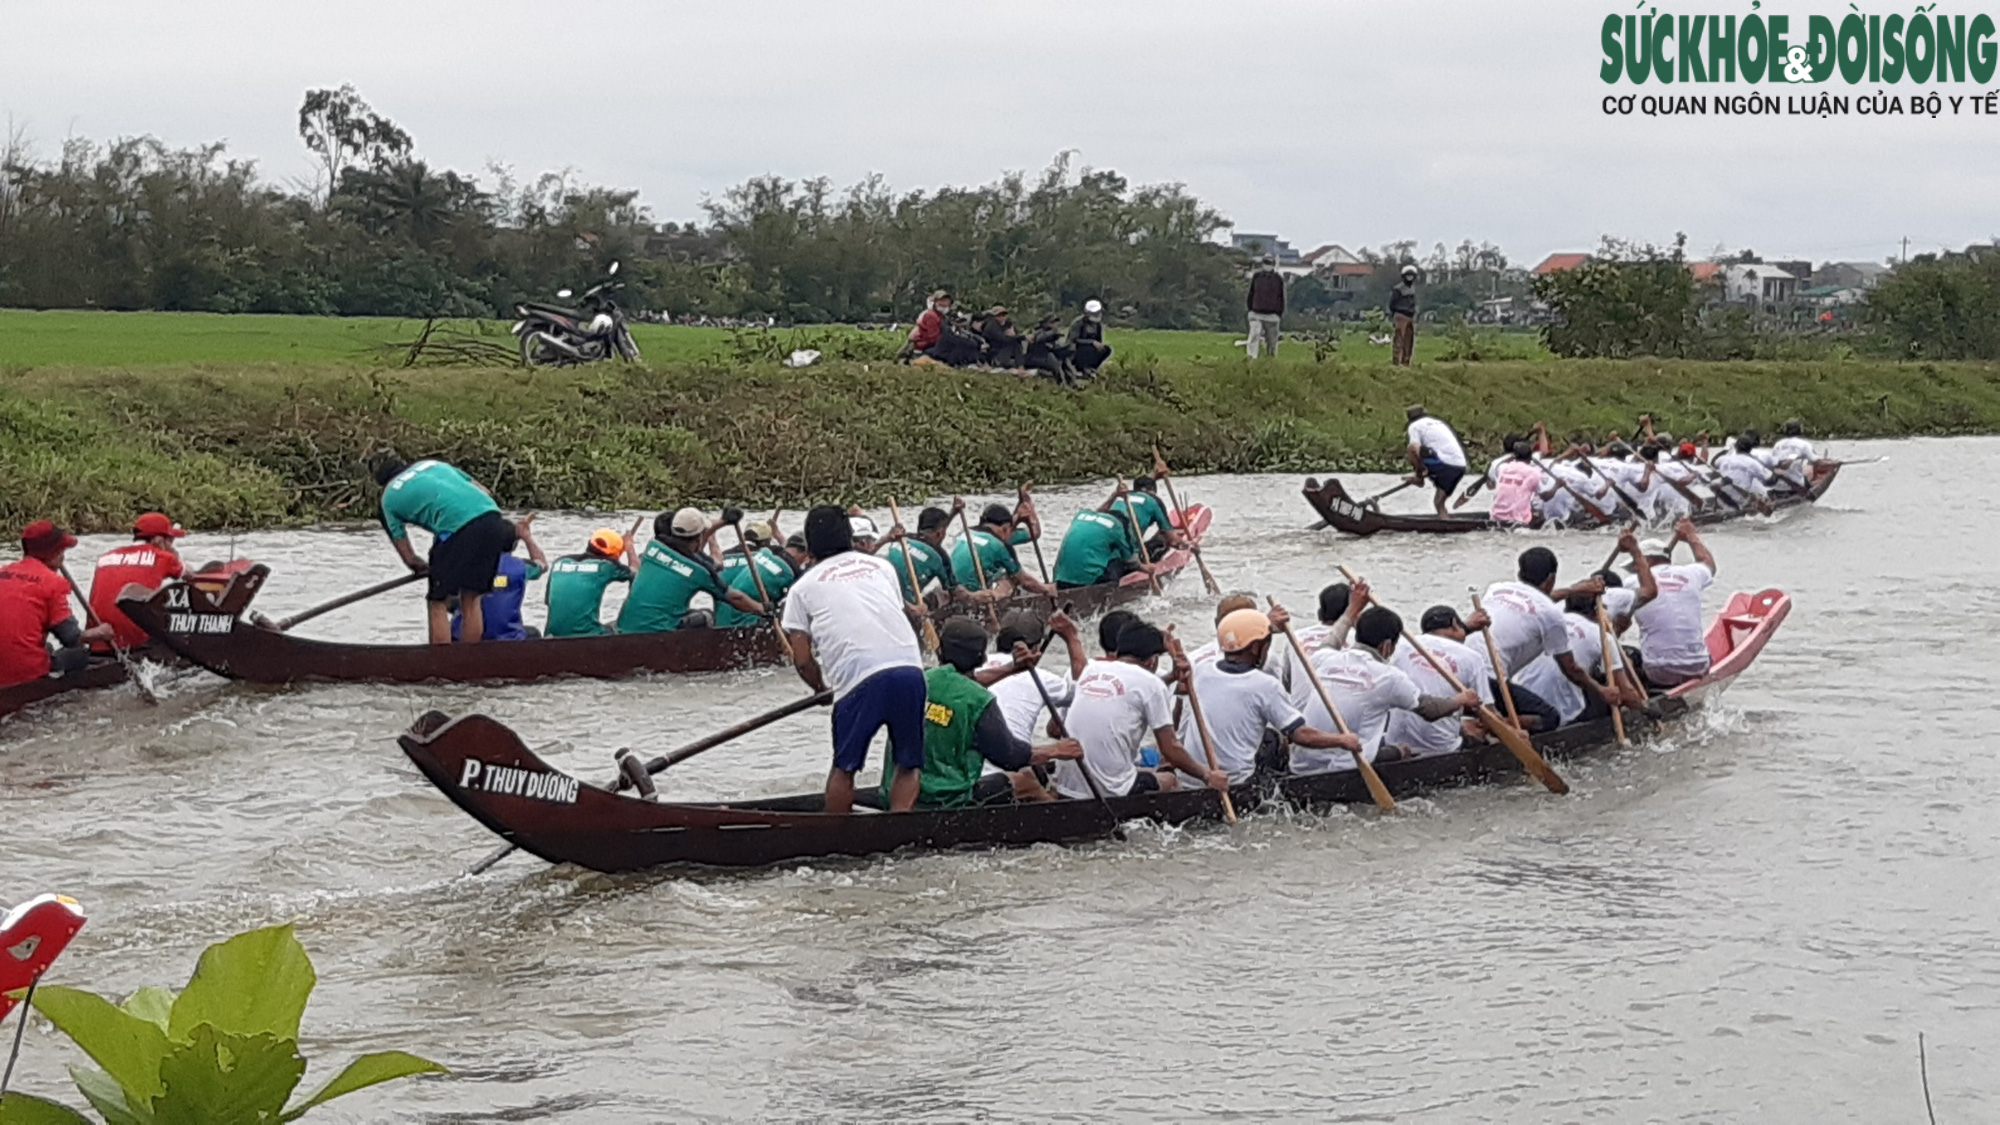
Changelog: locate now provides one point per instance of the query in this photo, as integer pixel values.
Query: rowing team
(969, 731)
(1658, 480)
(477, 582)
(35, 597)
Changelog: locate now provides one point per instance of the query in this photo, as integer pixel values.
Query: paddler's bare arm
(802, 659)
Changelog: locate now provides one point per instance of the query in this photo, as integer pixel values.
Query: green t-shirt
(1094, 539)
(664, 588)
(926, 560)
(1147, 509)
(777, 579)
(998, 558)
(434, 496)
(952, 765)
(576, 594)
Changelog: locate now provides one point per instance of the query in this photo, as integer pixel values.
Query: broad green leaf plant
(222, 1051)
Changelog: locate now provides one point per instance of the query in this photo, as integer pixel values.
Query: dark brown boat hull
(99, 674)
(1344, 513)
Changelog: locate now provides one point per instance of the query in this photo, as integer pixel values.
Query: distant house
(1759, 283)
(1341, 269)
(1850, 275)
(1559, 263)
(1706, 273)
(1265, 246)
(1832, 296)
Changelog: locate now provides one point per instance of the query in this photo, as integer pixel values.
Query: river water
(1751, 919)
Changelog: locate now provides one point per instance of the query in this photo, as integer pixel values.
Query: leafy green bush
(222, 1051)
(1628, 301)
(1941, 308)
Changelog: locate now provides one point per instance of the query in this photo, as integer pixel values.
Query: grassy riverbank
(259, 444)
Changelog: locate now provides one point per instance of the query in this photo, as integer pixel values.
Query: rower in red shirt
(149, 561)
(34, 604)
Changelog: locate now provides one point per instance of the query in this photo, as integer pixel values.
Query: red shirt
(133, 564)
(33, 600)
(929, 326)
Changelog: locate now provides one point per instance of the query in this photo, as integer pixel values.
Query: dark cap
(962, 644)
(1441, 617)
(43, 539)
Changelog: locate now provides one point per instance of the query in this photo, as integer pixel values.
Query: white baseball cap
(863, 528)
(1093, 306)
(689, 522)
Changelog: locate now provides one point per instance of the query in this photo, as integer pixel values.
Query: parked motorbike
(554, 335)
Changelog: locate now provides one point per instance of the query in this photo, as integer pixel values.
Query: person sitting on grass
(577, 584)
(1047, 355)
(1086, 340)
(1002, 339)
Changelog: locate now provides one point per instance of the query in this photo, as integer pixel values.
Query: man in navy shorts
(847, 625)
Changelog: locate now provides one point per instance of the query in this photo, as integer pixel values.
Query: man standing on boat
(1119, 703)
(1434, 453)
(964, 729)
(675, 567)
(149, 561)
(34, 605)
(469, 536)
(1403, 317)
(849, 631)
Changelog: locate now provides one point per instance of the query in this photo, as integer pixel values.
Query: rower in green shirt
(672, 569)
(468, 537)
(773, 569)
(926, 556)
(999, 531)
(577, 584)
(1146, 508)
(964, 730)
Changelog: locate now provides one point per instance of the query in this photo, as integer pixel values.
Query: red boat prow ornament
(31, 936)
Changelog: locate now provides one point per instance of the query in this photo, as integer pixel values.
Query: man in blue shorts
(1436, 454)
(847, 624)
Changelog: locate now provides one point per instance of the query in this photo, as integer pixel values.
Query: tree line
(136, 224)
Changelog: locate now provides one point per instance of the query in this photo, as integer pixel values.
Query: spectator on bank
(1403, 313)
(1267, 308)
(1003, 341)
(1086, 340)
(1047, 354)
(935, 338)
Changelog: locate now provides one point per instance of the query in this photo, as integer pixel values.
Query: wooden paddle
(916, 587)
(1499, 669)
(1376, 788)
(1207, 579)
(1608, 559)
(666, 761)
(1041, 564)
(1508, 734)
(763, 595)
(1565, 485)
(978, 567)
(1200, 721)
(341, 602)
(1610, 678)
(1062, 731)
(1145, 556)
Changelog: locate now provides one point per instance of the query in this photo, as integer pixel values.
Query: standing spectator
(1267, 308)
(1403, 311)
(1086, 340)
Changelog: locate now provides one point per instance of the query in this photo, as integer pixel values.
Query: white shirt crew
(1238, 704)
(852, 607)
(1526, 624)
(1670, 627)
(1366, 690)
(1443, 736)
(1118, 707)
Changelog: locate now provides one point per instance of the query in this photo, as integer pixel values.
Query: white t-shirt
(1020, 704)
(1543, 678)
(1118, 707)
(1562, 503)
(1526, 624)
(1286, 662)
(1366, 690)
(1670, 629)
(1238, 706)
(1469, 664)
(852, 607)
(1799, 452)
(1744, 471)
(1436, 438)
(1663, 500)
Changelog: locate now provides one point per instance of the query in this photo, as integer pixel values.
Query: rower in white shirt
(1444, 638)
(1435, 454)
(1339, 608)
(1792, 457)
(1119, 702)
(1527, 624)
(1367, 689)
(1673, 646)
(1746, 475)
(1240, 701)
(1586, 646)
(1021, 704)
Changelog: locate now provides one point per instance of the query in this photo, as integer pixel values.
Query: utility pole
(1906, 249)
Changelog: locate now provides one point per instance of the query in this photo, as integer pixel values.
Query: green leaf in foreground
(108, 1098)
(25, 1109)
(127, 1047)
(152, 1004)
(254, 983)
(366, 1071)
(222, 1079)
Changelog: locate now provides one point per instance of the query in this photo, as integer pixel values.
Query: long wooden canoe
(488, 771)
(1344, 513)
(190, 623)
(97, 674)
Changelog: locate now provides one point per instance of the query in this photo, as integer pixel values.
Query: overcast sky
(1350, 121)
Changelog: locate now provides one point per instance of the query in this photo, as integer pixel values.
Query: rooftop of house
(1557, 263)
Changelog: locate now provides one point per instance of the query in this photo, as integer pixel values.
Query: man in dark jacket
(1086, 340)
(1003, 340)
(1047, 354)
(1267, 308)
(1403, 312)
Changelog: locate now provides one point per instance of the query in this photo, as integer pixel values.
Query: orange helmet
(607, 542)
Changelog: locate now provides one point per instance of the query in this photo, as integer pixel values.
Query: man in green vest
(964, 730)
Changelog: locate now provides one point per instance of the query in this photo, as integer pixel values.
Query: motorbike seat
(557, 310)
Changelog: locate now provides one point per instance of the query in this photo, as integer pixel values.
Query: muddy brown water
(1751, 919)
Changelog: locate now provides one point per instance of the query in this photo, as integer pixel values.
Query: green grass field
(74, 338)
